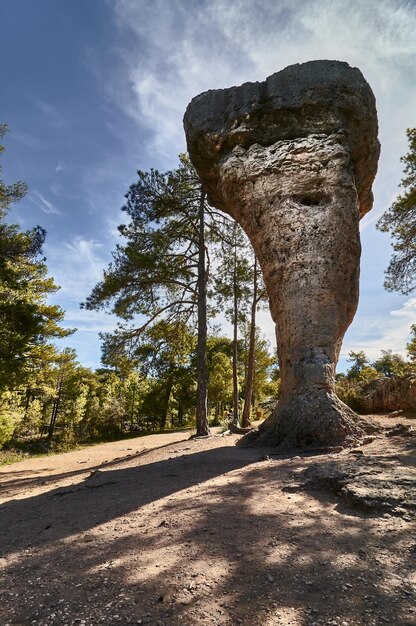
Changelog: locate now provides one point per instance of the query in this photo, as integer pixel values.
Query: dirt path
(202, 532)
(40, 474)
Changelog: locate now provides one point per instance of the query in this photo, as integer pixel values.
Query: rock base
(374, 484)
(312, 419)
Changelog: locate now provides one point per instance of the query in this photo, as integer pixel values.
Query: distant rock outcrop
(390, 394)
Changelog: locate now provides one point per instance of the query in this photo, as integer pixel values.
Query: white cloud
(374, 215)
(382, 332)
(76, 265)
(176, 50)
(44, 204)
(408, 310)
(89, 321)
(112, 222)
(372, 334)
(54, 116)
(179, 52)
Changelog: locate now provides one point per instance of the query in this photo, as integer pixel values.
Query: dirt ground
(167, 531)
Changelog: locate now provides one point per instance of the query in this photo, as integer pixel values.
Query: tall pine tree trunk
(202, 426)
(235, 417)
(27, 404)
(217, 413)
(180, 414)
(168, 391)
(245, 421)
(55, 408)
(132, 408)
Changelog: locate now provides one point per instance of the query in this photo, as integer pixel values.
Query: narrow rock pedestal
(292, 160)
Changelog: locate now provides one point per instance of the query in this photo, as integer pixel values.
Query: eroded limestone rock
(373, 484)
(292, 160)
(390, 394)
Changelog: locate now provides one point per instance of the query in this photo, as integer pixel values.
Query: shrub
(7, 426)
(350, 392)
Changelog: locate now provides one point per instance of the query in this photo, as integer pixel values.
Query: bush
(7, 426)
(350, 392)
(66, 441)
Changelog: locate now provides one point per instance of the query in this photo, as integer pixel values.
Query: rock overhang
(317, 97)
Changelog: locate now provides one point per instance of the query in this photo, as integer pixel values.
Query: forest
(149, 378)
(207, 313)
(168, 364)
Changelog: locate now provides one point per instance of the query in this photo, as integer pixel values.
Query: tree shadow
(33, 479)
(228, 546)
(110, 493)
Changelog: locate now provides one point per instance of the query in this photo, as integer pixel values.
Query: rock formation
(292, 159)
(390, 394)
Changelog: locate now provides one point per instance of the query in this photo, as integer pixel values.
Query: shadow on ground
(208, 537)
(34, 478)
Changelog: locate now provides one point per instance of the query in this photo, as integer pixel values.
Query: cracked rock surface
(376, 485)
(292, 159)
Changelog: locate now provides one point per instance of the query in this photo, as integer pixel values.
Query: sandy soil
(163, 530)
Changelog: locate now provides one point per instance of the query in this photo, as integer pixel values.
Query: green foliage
(349, 387)
(359, 360)
(152, 360)
(9, 193)
(220, 378)
(157, 393)
(390, 364)
(234, 275)
(158, 273)
(400, 221)
(360, 370)
(26, 320)
(411, 346)
(349, 391)
(154, 273)
(265, 386)
(10, 416)
(233, 284)
(7, 426)
(167, 353)
(220, 373)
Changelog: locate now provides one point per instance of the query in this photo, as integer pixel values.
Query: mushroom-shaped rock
(292, 159)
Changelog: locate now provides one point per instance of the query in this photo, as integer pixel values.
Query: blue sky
(93, 90)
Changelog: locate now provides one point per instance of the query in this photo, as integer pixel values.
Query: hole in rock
(312, 199)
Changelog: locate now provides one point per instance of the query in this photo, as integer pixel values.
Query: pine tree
(258, 295)
(411, 346)
(400, 221)
(26, 320)
(390, 364)
(161, 271)
(233, 288)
